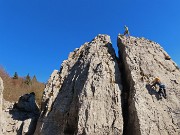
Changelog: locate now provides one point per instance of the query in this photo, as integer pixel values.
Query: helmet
(157, 79)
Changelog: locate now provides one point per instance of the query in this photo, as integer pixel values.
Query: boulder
(27, 103)
(20, 118)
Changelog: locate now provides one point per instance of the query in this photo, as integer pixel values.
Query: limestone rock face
(1, 99)
(143, 60)
(50, 92)
(1, 93)
(20, 118)
(87, 97)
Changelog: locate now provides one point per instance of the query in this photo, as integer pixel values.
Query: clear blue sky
(37, 35)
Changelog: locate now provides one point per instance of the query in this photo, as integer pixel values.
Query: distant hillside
(16, 86)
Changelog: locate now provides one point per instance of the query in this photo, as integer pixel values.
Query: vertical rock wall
(143, 60)
(1, 104)
(89, 96)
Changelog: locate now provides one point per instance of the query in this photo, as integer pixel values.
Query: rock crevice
(130, 126)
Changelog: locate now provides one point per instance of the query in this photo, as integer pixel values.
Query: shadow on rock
(152, 91)
(25, 108)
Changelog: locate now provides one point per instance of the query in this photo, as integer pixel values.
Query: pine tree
(34, 80)
(28, 80)
(15, 75)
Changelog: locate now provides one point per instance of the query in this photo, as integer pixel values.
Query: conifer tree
(34, 80)
(28, 80)
(15, 75)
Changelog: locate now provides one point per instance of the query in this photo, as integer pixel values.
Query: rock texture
(51, 91)
(84, 96)
(20, 118)
(1, 93)
(1, 98)
(143, 60)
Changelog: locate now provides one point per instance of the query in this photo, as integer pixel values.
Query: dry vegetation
(14, 88)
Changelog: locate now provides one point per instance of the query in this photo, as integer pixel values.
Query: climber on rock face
(162, 90)
(126, 32)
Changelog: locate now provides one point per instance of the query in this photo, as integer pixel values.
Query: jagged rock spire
(87, 99)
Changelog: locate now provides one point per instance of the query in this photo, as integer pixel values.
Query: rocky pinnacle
(87, 99)
(146, 114)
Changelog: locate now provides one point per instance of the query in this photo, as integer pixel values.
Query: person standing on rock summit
(126, 32)
(162, 90)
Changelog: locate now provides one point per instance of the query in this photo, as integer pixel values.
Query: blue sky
(37, 35)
